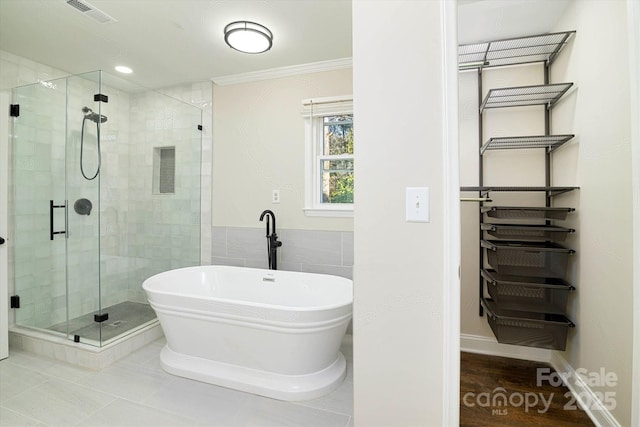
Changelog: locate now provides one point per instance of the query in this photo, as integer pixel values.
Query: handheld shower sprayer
(97, 119)
(94, 117)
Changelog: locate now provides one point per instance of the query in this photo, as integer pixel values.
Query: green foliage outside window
(337, 174)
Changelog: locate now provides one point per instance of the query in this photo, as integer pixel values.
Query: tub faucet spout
(272, 239)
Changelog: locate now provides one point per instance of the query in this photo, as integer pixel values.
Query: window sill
(336, 212)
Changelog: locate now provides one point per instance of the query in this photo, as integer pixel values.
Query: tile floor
(36, 391)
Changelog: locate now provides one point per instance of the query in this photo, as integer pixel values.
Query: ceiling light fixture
(123, 69)
(248, 37)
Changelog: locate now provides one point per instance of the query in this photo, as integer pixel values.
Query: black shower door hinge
(99, 318)
(99, 97)
(14, 110)
(15, 301)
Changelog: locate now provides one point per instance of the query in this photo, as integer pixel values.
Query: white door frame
(633, 21)
(451, 168)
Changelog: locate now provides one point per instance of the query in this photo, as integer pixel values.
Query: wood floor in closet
(484, 379)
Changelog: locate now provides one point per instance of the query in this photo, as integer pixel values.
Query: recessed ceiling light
(122, 69)
(248, 37)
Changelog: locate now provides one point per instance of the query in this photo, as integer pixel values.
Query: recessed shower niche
(87, 226)
(164, 170)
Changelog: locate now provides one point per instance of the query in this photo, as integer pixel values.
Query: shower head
(94, 117)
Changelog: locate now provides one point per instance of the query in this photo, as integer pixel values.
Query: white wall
(399, 278)
(259, 143)
(501, 167)
(599, 161)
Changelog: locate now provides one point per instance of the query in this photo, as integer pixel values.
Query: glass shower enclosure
(105, 193)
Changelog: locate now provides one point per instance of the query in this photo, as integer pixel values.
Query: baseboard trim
(583, 394)
(489, 346)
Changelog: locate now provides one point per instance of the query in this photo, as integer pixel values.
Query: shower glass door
(56, 205)
(38, 151)
(105, 193)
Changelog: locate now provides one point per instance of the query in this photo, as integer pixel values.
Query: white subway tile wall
(18, 71)
(201, 95)
(163, 229)
(311, 251)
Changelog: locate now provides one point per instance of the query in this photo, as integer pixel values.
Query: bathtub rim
(149, 290)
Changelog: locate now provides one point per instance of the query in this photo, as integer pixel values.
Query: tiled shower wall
(163, 230)
(201, 96)
(311, 251)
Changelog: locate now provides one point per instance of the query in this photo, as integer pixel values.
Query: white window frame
(313, 111)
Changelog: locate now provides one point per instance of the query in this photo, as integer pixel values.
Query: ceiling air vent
(91, 11)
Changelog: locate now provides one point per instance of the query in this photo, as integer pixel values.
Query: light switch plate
(417, 204)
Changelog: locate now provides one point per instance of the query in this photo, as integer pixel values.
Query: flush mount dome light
(123, 69)
(248, 37)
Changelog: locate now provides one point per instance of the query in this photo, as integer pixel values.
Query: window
(329, 156)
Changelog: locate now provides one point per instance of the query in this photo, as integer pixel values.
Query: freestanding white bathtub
(272, 333)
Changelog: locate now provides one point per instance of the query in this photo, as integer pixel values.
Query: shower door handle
(53, 206)
(2, 240)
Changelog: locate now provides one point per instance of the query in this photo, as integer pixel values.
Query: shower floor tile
(123, 317)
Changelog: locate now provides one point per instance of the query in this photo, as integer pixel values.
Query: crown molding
(276, 73)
